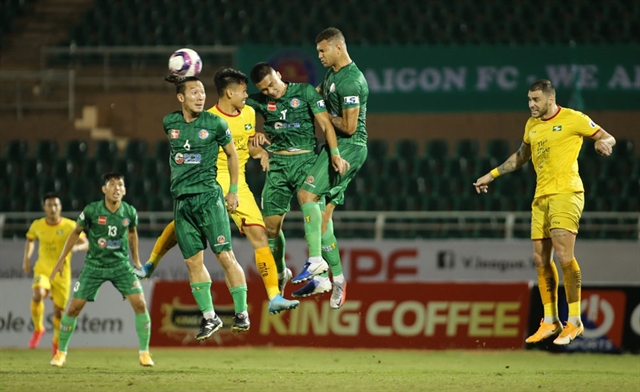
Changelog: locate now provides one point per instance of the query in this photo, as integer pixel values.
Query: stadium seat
(624, 148)
(47, 150)
(17, 151)
(467, 148)
(162, 150)
(377, 149)
(136, 150)
(106, 151)
(436, 149)
(498, 149)
(76, 151)
(406, 149)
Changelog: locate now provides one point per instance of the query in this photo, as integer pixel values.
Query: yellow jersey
(555, 145)
(51, 240)
(242, 127)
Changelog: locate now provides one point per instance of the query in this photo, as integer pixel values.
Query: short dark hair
(180, 81)
(260, 71)
(111, 176)
(543, 85)
(330, 34)
(226, 77)
(49, 195)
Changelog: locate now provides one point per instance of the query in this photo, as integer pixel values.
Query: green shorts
(284, 178)
(199, 218)
(325, 182)
(90, 280)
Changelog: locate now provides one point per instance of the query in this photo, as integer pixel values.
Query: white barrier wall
(107, 322)
(401, 261)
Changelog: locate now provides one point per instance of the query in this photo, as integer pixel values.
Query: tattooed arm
(513, 163)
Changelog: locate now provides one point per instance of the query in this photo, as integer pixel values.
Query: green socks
(330, 251)
(239, 294)
(201, 292)
(278, 246)
(313, 228)
(143, 328)
(67, 326)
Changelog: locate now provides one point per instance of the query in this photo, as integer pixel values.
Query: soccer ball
(185, 62)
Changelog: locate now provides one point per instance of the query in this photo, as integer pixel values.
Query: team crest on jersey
(221, 239)
(203, 134)
(59, 232)
(271, 106)
(102, 243)
(102, 220)
(295, 102)
(557, 128)
(179, 158)
(332, 88)
(125, 222)
(310, 180)
(247, 127)
(175, 133)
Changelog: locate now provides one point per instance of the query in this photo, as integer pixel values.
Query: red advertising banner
(376, 315)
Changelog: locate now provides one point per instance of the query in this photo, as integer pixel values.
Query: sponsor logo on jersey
(59, 232)
(351, 100)
(187, 159)
(247, 127)
(221, 239)
(175, 133)
(332, 88)
(271, 106)
(102, 242)
(102, 220)
(321, 104)
(125, 222)
(557, 128)
(136, 284)
(294, 103)
(203, 134)
(310, 180)
(592, 124)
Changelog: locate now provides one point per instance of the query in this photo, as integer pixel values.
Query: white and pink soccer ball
(185, 62)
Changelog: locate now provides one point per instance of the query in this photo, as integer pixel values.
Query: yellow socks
(548, 286)
(267, 269)
(37, 315)
(164, 243)
(573, 288)
(56, 330)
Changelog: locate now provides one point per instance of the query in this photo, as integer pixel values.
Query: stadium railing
(38, 90)
(378, 225)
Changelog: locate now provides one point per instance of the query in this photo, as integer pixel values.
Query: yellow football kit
(242, 127)
(51, 239)
(555, 145)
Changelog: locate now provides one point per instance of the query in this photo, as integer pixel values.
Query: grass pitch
(271, 369)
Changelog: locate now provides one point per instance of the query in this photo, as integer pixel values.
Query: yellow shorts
(248, 213)
(59, 291)
(559, 211)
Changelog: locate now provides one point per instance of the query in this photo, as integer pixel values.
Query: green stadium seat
(377, 149)
(406, 149)
(624, 148)
(17, 151)
(29, 169)
(76, 151)
(47, 150)
(631, 188)
(162, 151)
(467, 148)
(498, 149)
(106, 151)
(136, 150)
(437, 149)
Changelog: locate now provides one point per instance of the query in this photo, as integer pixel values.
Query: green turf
(264, 369)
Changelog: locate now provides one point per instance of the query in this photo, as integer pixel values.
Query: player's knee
(194, 264)
(57, 312)
(540, 260)
(37, 296)
(138, 304)
(305, 196)
(271, 231)
(563, 254)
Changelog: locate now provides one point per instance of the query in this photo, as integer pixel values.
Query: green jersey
(347, 89)
(289, 121)
(107, 233)
(194, 151)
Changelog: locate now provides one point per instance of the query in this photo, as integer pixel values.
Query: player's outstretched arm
(82, 245)
(514, 162)
(604, 142)
(29, 246)
(132, 236)
(68, 245)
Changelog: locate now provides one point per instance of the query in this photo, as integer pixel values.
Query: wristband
(495, 173)
(233, 188)
(335, 151)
